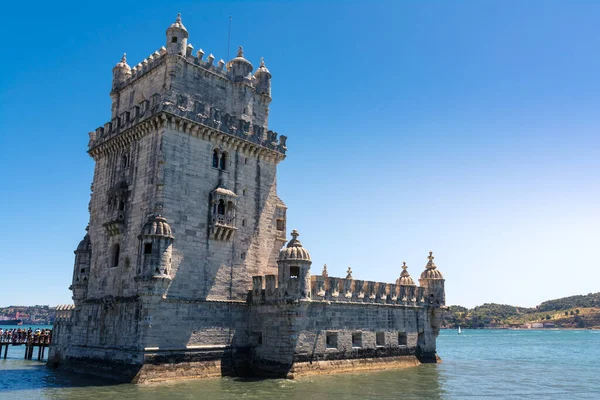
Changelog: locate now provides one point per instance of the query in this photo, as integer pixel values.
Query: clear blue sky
(468, 128)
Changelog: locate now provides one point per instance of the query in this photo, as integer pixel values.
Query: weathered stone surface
(181, 275)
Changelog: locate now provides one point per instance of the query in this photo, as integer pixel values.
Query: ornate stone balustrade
(324, 288)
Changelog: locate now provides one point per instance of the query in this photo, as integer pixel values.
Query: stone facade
(180, 273)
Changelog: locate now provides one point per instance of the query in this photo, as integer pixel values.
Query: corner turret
(177, 37)
(155, 251)
(432, 282)
(240, 68)
(81, 269)
(294, 270)
(262, 78)
(121, 71)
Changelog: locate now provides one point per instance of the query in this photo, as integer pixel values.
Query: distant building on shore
(185, 271)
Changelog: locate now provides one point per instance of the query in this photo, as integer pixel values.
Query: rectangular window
(331, 340)
(174, 39)
(83, 270)
(380, 338)
(280, 225)
(401, 339)
(357, 339)
(147, 248)
(294, 272)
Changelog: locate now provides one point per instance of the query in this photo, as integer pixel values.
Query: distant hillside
(566, 303)
(30, 315)
(569, 312)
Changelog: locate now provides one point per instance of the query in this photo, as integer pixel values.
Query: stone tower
(184, 207)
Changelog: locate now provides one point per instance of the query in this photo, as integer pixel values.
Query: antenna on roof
(229, 37)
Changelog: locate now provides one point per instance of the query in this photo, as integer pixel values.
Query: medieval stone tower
(184, 224)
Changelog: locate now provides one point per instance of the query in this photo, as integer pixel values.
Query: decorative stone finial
(178, 18)
(262, 61)
(124, 58)
(430, 263)
(240, 52)
(349, 273)
(404, 271)
(324, 273)
(295, 234)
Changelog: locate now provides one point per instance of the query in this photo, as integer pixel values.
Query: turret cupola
(263, 79)
(239, 67)
(155, 249)
(294, 250)
(405, 278)
(121, 71)
(177, 37)
(432, 282)
(294, 269)
(431, 271)
(81, 269)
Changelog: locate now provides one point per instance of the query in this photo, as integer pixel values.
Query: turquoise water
(487, 364)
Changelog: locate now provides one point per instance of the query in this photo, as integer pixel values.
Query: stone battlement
(332, 289)
(197, 113)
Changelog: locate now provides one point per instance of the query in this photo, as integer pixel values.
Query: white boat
(459, 331)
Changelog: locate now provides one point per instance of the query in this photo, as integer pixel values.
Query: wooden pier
(30, 340)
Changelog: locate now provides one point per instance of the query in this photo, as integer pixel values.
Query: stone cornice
(102, 144)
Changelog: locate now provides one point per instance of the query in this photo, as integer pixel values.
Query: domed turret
(263, 79)
(405, 278)
(432, 282)
(431, 271)
(157, 226)
(294, 250)
(154, 269)
(81, 269)
(294, 269)
(177, 37)
(239, 67)
(121, 71)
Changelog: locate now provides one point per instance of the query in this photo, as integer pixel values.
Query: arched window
(223, 163)
(221, 207)
(215, 159)
(115, 255)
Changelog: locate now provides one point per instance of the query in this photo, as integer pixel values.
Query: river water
(487, 364)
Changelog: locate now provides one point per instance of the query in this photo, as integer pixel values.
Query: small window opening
(121, 205)
(215, 158)
(83, 270)
(357, 339)
(280, 225)
(431, 295)
(116, 250)
(401, 339)
(243, 222)
(246, 160)
(380, 338)
(174, 39)
(331, 340)
(221, 207)
(294, 272)
(223, 161)
(147, 248)
(244, 192)
(243, 256)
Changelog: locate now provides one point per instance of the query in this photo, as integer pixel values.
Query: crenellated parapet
(295, 282)
(194, 118)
